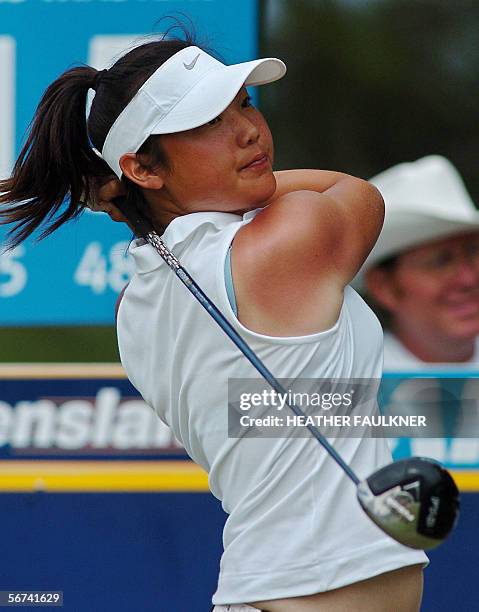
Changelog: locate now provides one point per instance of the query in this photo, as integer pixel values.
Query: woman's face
(225, 165)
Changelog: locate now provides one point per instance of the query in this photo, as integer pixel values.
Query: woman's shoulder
(278, 282)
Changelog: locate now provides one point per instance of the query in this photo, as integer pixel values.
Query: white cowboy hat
(425, 200)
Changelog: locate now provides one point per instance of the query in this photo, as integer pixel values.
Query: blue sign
(65, 412)
(86, 411)
(74, 276)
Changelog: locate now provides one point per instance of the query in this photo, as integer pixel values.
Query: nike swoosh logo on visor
(192, 65)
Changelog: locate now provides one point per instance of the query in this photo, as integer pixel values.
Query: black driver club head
(414, 500)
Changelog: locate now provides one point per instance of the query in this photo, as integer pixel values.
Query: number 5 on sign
(100, 272)
(13, 274)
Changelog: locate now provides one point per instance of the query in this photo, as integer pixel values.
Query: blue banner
(93, 412)
(75, 276)
(78, 412)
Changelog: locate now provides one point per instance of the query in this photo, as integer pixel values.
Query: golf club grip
(144, 229)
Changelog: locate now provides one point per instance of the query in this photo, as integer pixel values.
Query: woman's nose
(247, 132)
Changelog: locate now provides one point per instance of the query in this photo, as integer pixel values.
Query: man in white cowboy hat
(424, 270)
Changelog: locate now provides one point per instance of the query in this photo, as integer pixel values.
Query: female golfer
(275, 252)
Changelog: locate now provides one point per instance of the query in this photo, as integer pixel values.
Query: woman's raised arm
(295, 258)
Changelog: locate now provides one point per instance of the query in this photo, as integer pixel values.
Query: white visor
(188, 90)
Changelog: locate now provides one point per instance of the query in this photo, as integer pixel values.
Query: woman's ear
(144, 176)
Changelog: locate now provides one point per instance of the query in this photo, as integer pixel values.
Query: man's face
(434, 288)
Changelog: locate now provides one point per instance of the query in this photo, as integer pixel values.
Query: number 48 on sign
(101, 271)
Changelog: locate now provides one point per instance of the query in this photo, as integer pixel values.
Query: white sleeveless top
(294, 526)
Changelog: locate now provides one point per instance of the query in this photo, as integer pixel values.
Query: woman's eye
(247, 102)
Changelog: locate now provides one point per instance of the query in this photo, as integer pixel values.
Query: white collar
(177, 232)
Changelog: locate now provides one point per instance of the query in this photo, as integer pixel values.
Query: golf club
(414, 500)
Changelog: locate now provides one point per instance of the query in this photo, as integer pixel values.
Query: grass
(52, 344)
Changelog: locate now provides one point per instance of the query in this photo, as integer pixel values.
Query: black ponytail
(55, 161)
